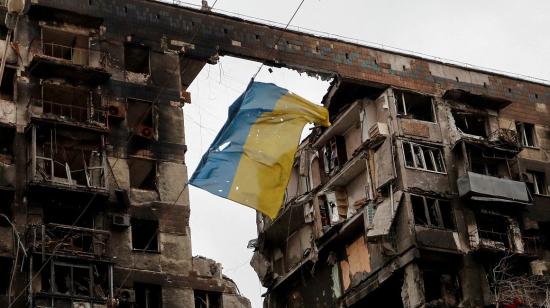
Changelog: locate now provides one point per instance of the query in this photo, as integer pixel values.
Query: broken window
(334, 155)
(205, 299)
(65, 45)
(536, 182)
(148, 295)
(434, 213)
(7, 87)
(7, 138)
(136, 58)
(423, 157)
(442, 289)
(414, 106)
(483, 164)
(72, 279)
(5, 274)
(68, 157)
(145, 235)
(143, 173)
(493, 231)
(140, 118)
(470, 123)
(526, 134)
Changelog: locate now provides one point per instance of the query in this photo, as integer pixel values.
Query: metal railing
(74, 55)
(68, 112)
(68, 239)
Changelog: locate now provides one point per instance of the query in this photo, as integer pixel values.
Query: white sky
(505, 34)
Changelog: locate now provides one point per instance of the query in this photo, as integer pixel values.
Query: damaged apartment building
(430, 189)
(94, 207)
(427, 193)
(417, 196)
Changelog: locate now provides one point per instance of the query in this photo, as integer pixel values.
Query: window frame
(539, 178)
(422, 149)
(522, 132)
(437, 213)
(150, 241)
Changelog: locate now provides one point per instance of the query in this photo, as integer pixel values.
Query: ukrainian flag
(250, 160)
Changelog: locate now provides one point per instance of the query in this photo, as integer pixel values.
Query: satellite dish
(18, 6)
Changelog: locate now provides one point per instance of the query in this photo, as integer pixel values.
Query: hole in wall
(225, 31)
(457, 80)
(509, 90)
(125, 9)
(257, 36)
(536, 96)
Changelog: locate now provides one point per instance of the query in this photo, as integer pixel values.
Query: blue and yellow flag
(251, 159)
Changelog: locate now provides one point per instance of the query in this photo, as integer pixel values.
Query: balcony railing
(493, 240)
(73, 113)
(74, 55)
(56, 238)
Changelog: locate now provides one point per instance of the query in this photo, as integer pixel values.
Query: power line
(279, 39)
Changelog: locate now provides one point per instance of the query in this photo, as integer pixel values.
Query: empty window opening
(140, 118)
(415, 106)
(334, 155)
(536, 96)
(536, 182)
(469, 123)
(7, 139)
(148, 295)
(65, 45)
(5, 274)
(205, 299)
(493, 231)
(136, 58)
(69, 158)
(423, 157)
(7, 87)
(526, 134)
(434, 213)
(143, 173)
(441, 289)
(73, 104)
(145, 235)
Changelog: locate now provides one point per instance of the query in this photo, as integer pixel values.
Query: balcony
(85, 115)
(68, 240)
(479, 187)
(74, 63)
(491, 240)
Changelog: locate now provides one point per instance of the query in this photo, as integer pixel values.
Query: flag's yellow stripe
(264, 168)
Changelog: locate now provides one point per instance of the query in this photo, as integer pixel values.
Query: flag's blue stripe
(217, 169)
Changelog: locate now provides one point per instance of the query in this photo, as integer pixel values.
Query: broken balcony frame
(74, 289)
(82, 242)
(44, 163)
(84, 109)
(54, 43)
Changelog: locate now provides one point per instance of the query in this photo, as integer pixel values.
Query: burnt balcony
(480, 187)
(85, 115)
(491, 240)
(73, 63)
(69, 240)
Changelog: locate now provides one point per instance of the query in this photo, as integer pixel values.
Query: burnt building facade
(416, 196)
(94, 203)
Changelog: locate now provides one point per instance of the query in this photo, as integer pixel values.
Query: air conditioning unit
(145, 132)
(126, 296)
(121, 220)
(116, 110)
